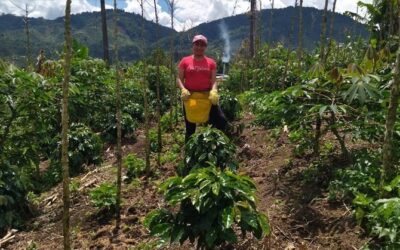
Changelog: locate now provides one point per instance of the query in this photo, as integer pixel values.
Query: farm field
(184, 140)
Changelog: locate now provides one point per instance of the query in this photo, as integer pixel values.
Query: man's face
(199, 47)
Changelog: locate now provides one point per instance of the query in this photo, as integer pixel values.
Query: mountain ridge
(86, 27)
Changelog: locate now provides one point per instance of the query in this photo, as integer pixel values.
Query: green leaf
(322, 110)
(250, 218)
(177, 233)
(3, 200)
(161, 230)
(216, 188)
(179, 197)
(362, 200)
(263, 221)
(229, 235)
(334, 109)
(227, 217)
(360, 213)
(211, 236)
(170, 182)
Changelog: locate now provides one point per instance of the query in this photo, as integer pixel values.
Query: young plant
(104, 197)
(153, 140)
(230, 106)
(135, 165)
(85, 147)
(360, 177)
(381, 217)
(210, 146)
(74, 186)
(169, 157)
(213, 202)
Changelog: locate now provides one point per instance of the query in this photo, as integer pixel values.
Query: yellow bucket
(198, 107)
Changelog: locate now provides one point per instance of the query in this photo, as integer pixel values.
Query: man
(197, 73)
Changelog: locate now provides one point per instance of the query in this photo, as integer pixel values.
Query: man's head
(199, 45)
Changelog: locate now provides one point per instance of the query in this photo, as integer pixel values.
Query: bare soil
(300, 215)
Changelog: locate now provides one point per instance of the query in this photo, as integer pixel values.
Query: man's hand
(185, 94)
(214, 97)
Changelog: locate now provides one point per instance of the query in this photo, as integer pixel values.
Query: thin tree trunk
(331, 29)
(145, 100)
(318, 122)
(259, 28)
(270, 22)
(106, 54)
(300, 45)
(389, 166)
(28, 37)
(290, 41)
(65, 125)
(340, 139)
(171, 4)
(391, 19)
(269, 38)
(323, 33)
(253, 7)
(158, 92)
(118, 152)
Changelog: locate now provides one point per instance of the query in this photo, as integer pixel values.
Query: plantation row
(338, 105)
(335, 111)
(30, 131)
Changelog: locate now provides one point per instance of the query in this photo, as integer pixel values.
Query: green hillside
(48, 34)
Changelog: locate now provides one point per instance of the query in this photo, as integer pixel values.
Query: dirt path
(300, 216)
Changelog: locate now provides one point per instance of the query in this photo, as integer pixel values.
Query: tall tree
(159, 138)
(269, 37)
(290, 42)
(389, 168)
(253, 29)
(172, 8)
(145, 98)
(301, 27)
(391, 19)
(318, 120)
(28, 36)
(259, 27)
(332, 22)
(323, 33)
(271, 17)
(65, 125)
(26, 10)
(106, 54)
(118, 152)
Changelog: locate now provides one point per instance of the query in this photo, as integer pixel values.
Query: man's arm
(181, 76)
(214, 85)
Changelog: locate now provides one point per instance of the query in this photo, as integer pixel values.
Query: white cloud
(194, 12)
(49, 9)
(189, 13)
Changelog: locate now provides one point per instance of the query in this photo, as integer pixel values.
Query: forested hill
(48, 34)
(86, 28)
(238, 27)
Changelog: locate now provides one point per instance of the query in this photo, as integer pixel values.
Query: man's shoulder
(210, 60)
(187, 58)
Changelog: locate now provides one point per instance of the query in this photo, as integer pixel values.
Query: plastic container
(198, 107)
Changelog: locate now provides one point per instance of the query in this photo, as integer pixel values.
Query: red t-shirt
(197, 73)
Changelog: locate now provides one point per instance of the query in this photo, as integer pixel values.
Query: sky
(189, 13)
